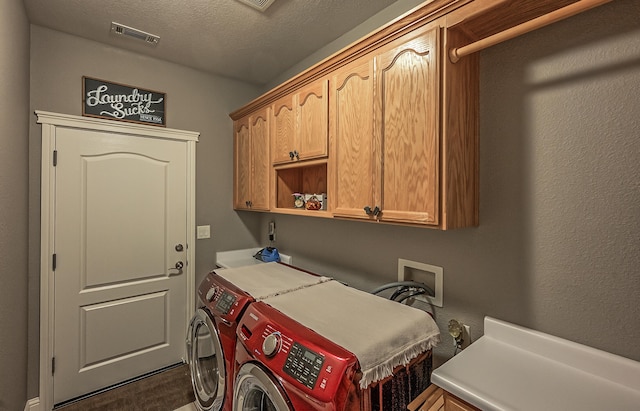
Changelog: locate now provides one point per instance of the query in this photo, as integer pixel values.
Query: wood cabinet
(388, 125)
(299, 126)
(251, 162)
(354, 156)
(387, 128)
(408, 127)
(453, 403)
(435, 398)
(386, 134)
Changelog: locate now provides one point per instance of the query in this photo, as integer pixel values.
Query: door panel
(407, 83)
(354, 148)
(260, 163)
(99, 322)
(120, 209)
(124, 174)
(242, 162)
(312, 104)
(283, 130)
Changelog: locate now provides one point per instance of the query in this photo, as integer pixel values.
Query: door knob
(179, 247)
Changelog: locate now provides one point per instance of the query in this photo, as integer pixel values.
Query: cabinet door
(408, 126)
(283, 124)
(312, 120)
(353, 148)
(242, 162)
(453, 403)
(260, 164)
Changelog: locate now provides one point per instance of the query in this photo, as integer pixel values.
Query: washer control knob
(271, 345)
(211, 293)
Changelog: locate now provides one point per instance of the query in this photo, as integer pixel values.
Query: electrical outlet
(467, 337)
(272, 231)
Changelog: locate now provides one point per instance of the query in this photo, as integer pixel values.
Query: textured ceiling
(223, 37)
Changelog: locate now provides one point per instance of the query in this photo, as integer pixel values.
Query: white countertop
(241, 258)
(515, 368)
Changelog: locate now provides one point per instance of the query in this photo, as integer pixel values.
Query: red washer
(211, 341)
(282, 365)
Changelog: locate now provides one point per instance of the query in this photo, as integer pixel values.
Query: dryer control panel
(303, 364)
(314, 364)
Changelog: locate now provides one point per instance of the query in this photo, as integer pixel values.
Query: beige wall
(195, 101)
(14, 149)
(557, 246)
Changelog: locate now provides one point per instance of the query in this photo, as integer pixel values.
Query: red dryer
(330, 347)
(282, 365)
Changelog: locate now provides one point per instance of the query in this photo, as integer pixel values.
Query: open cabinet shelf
(303, 179)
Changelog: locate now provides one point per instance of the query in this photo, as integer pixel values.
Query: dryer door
(255, 389)
(206, 361)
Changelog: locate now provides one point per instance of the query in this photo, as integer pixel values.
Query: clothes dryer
(331, 347)
(211, 339)
(283, 366)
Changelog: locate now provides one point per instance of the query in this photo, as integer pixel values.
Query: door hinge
(53, 365)
(54, 261)
(55, 158)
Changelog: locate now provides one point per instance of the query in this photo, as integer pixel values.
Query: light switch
(203, 231)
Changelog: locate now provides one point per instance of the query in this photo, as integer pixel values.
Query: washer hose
(404, 285)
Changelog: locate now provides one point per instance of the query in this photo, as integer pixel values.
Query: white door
(120, 227)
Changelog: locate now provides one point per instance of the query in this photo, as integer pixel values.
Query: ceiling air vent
(261, 5)
(122, 30)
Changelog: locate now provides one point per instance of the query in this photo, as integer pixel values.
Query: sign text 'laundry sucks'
(121, 102)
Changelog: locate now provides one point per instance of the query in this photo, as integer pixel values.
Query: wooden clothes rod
(457, 53)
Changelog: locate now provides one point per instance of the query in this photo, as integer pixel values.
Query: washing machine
(331, 347)
(211, 338)
(283, 366)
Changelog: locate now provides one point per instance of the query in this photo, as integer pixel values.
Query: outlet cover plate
(203, 231)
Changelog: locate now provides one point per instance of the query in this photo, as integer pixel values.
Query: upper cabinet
(407, 127)
(300, 125)
(387, 128)
(354, 153)
(385, 111)
(251, 161)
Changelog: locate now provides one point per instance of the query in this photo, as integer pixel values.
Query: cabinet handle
(375, 212)
(291, 155)
(295, 153)
(247, 203)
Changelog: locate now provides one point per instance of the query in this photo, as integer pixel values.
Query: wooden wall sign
(115, 101)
